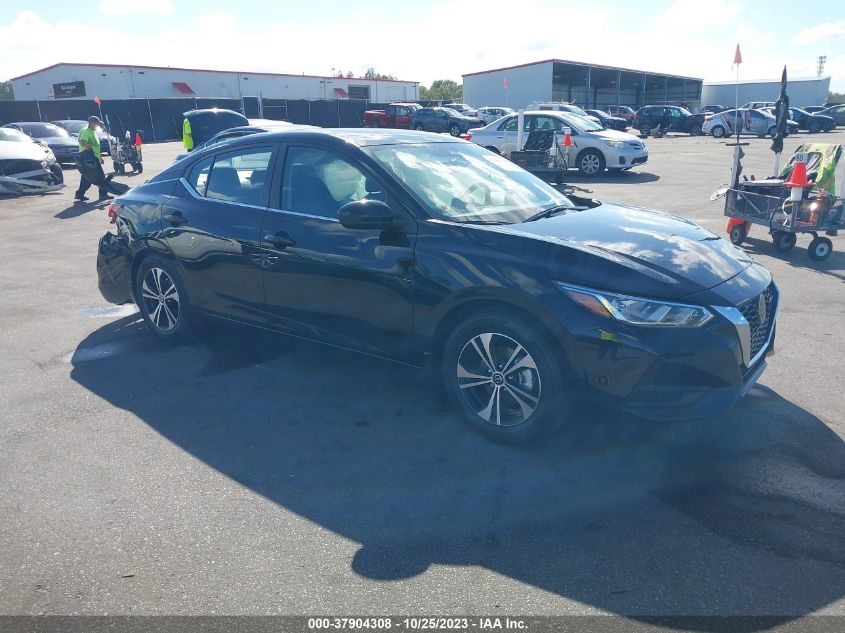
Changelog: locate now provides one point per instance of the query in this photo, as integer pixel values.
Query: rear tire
(718, 131)
(504, 377)
(738, 234)
(645, 128)
(418, 127)
(783, 241)
(695, 129)
(162, 298)
(454, 130)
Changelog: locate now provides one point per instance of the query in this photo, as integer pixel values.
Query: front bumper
(665, 374)
(617, 158)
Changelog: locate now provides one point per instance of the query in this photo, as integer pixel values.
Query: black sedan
(64, 146)
(813, 123)
(443, 120)
(836, 112)
(423, 249)
(609, 122)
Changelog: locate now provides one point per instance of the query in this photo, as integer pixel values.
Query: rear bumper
(114, 270)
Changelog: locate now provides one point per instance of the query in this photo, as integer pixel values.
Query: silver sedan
(756, 122)
(594, 149)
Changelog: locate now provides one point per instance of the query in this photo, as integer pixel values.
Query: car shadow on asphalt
(797, 257)
(739, 514)
(620, 178)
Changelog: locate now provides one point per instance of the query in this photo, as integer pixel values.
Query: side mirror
(372, 215)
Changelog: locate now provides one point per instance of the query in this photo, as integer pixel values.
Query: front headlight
(617, 144)
(637, 310)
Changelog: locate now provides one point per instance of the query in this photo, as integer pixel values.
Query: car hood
(13, 150)
(614, 135)
(629, 249)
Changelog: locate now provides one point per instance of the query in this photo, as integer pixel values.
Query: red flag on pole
(737, 57)
(97, 100)
(505, 83)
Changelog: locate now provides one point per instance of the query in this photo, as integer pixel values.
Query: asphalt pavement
(247, 473)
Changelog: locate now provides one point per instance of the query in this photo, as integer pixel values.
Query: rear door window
(240, 176)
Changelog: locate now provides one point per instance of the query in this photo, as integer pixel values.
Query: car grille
(761, 328)
(13, 166)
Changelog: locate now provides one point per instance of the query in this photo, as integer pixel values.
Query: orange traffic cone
(798, 177)
(567, 140)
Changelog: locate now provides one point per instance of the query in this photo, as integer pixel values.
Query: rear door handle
(175, 218)
(280, 240)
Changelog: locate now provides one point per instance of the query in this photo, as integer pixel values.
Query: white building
(802, 91)
(86, 81)
(584, 84)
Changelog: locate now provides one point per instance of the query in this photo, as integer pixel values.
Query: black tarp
(161, 119)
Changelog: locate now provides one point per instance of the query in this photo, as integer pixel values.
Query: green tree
(442, 90)
(6, 91)
(372, 74)
(836, 97)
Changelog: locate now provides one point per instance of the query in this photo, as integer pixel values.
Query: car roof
(359, 137)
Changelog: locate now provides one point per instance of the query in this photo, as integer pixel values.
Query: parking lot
(246, 473)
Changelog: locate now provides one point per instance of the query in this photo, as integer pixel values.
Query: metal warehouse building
(587, 85)
(85, 81)
(802, 92)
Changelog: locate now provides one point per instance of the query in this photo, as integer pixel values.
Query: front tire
(162, 299)
(590, 163)
(418, 127)
(814, 128)
(820, 249)
(503, 375)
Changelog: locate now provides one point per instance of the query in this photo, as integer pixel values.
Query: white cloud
(822, 31)
(683, 13)
(135, 7)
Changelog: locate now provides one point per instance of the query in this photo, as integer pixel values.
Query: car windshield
(11, 134)
(580, 123)
(74, 127)
(452, 111)
(43, 130)
(463, 182)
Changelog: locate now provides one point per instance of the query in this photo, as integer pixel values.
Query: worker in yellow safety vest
(187, 139)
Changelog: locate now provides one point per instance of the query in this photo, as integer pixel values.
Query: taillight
(467, 136)
(707, 117)
(114, 209)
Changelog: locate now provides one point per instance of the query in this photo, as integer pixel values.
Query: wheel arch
(549, 326)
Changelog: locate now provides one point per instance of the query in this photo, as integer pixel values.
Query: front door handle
(280, 240)
(175, 219)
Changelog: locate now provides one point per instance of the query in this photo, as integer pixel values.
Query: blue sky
(427, 39)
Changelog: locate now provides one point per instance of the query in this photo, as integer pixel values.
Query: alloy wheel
(590, 164)
(161, 299)
(498, 379)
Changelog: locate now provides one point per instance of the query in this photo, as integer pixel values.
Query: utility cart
(802, 199)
